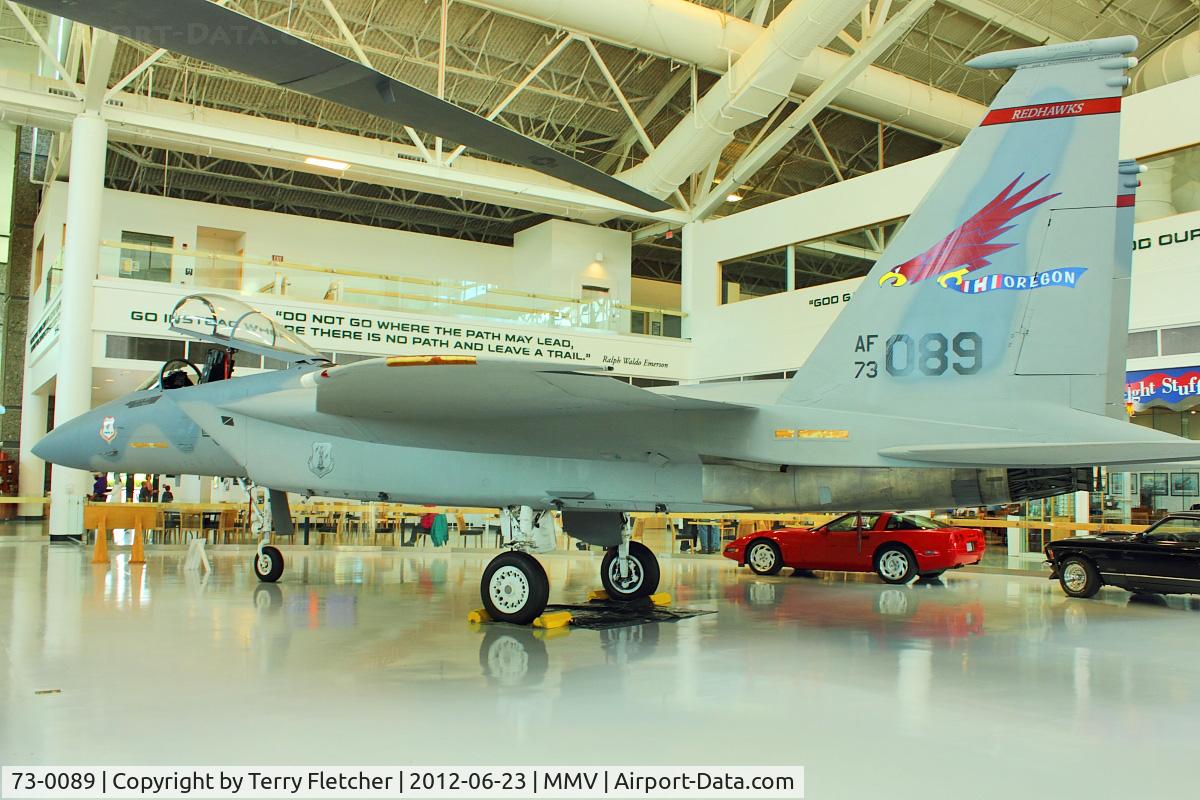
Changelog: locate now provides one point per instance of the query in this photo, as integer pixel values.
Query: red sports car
(896, 546)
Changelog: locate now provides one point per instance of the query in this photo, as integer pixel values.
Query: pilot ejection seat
(218, 364)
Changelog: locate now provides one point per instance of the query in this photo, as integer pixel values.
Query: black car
(1163, 559)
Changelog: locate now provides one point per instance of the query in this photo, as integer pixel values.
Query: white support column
(33, 469)
(81, 256)
(687, 277)
(1083, 510)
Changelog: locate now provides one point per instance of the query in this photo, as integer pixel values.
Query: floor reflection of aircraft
(515, 656)
(511, 656)
(925, 611)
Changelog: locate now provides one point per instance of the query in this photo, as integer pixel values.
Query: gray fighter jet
(981, 361)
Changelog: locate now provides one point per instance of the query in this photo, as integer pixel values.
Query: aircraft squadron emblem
(320, 463)
(970, 246)
(108, 429)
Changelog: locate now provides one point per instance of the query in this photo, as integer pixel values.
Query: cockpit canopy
(229, 322)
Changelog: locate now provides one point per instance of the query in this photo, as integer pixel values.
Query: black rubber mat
(600, 615)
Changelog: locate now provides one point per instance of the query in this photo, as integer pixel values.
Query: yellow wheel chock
(553, 619)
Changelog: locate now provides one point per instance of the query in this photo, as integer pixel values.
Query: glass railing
(53, 281)
(247, 275)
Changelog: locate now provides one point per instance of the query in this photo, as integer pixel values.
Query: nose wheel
(514, 588)
(268, 564)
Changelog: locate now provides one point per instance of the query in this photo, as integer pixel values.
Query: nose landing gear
(267, 513)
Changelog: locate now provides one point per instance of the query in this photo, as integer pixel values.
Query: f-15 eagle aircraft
(981, 361)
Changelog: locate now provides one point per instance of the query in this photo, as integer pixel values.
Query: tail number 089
(931, 355)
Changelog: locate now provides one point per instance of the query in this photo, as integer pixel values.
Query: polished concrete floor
(986, 686)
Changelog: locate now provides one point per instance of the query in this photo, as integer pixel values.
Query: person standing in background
(100, 488)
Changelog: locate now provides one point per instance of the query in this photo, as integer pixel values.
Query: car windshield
(1175, 529)
(846, 523)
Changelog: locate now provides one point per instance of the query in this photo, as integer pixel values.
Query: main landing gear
(515, 588)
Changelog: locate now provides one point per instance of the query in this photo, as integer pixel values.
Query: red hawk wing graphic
(970, 245)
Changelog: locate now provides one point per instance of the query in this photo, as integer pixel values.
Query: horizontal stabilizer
(1047, 454)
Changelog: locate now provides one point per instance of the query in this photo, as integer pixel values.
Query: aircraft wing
(219, 35)
(465, 387)
(1047, 454)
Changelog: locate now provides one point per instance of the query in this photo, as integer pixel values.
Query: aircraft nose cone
(64, 446)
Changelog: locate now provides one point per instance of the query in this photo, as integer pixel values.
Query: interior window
(869, 521)
(144, 258)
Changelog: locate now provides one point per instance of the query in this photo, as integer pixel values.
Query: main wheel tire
(763, 557)
(514, 588)
(1078, 577)
(268, 564)
(642, 580)
(895, 563)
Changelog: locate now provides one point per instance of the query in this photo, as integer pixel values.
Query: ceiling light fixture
(733, 197)
(327, 163)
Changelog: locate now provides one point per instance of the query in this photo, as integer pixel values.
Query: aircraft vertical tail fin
(1011, 278)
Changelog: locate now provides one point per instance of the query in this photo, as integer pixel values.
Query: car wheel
(763, 557)
(895, 563)
(1078, 577)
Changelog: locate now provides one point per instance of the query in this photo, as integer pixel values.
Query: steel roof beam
(873, 45)
(987, 11)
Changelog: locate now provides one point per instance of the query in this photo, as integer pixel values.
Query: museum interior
(193, 211)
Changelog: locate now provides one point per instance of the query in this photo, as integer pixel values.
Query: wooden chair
(688, 533)
(326, 528)
(171, 527)
(386, 525)
(466, 531)
(210, 524)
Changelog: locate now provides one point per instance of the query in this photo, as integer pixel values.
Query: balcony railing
(317, 284)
